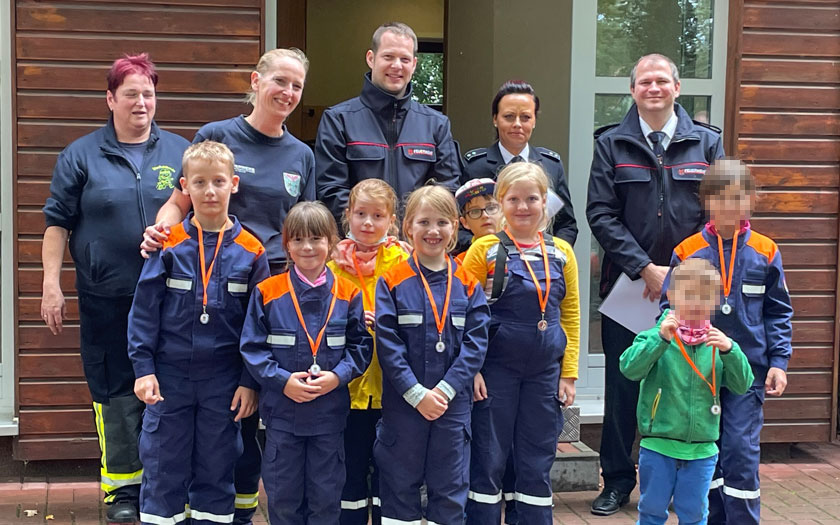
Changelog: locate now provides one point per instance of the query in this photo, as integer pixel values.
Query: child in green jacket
(682, 363)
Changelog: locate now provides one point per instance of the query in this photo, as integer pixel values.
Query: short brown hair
(441, 200)
(377, 190)
(398, 28)
(309, 219)
(724, 173)
(207, 151)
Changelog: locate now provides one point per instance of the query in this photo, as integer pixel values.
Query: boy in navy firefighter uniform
(183, 337)
(304, 340)
(756, 312)
(431, 336)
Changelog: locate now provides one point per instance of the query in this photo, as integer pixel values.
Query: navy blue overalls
(409, 449)
(190, 442)
(522, 374)
(303, 463)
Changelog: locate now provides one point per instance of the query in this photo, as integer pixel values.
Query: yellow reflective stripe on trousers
(537, 501)
(100, 430)
(247, 501)
(111, 481)
(161, 520)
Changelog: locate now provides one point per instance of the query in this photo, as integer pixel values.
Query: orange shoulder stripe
(690, 246)
(249, 242)
(398, 274)
(177, 235)
(763, 245)
(344, 288)
(467, 278)
(274, 287)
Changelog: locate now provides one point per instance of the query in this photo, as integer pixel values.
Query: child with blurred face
(754, 310)
(682, 364)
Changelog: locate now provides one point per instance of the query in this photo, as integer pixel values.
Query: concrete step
(576, 467)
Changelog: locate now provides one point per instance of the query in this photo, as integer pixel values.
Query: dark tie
(655, 138)
(517, 158)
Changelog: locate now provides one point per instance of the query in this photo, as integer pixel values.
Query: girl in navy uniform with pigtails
(532, 355)
(431, 338)
(304, 340)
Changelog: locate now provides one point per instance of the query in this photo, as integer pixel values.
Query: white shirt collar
(669, 129)
(508, 156)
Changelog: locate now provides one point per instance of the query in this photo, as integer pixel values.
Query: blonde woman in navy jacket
(304, 400)
(431, 337)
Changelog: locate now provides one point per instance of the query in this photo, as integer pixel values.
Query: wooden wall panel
(204, 51)
(784, 108)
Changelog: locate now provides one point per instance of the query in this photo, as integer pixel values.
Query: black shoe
(609, 501)
(123, 511)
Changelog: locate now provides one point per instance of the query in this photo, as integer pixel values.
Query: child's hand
(298, 390)
(718, 339)
(479, 388)
(370, 319)
(433, 405)
(566, 393)
(245, 399)
(669, 326)
(326, 381)
(147, 389)
(776, 382)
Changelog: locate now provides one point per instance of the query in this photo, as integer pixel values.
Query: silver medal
(726, 309)
(204, 318)
(542, 325)
(440, 346)
(314, 370)
(715, 409)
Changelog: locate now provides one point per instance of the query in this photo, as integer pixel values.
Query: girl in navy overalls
(304, 340)
(431, 336)
(535, 321)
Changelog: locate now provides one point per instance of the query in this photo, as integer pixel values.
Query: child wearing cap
(480, 213)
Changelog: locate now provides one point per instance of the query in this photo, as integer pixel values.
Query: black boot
(124, 511)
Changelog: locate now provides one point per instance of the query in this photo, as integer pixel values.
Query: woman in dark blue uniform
(276, 170)
(515, 108)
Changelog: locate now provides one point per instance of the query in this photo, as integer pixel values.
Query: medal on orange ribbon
(204, 318)
(715, 408)
(725, 278)
(542, 325)
(315, 369)
(440, 346)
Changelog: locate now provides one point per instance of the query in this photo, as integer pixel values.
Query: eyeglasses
(490, 209)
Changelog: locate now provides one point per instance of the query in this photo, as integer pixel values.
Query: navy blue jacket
(274, 346)
(761, 315)
(379, 136)
(97, 196)
(488, 162)
(640, 210)
(164, 332)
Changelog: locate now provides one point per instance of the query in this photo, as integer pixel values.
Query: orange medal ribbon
(439, 321)
(205, 275)
(726, 280)
(313, 345)
(361, 279)
(543, 299)
(713, 385)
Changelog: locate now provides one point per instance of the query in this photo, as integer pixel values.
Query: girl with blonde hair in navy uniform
(431, 336)
(371, 249)
(532, 356)
(304, 340)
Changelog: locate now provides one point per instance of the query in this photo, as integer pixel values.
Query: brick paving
(802, 488)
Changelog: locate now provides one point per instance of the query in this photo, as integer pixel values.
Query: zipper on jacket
(653, 409)
(392, 151)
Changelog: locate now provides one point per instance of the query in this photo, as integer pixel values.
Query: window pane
(610, 109)
(679, 29)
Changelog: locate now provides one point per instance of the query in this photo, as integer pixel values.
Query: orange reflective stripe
(439, 321)
(543, 299)
(713, 385)
(313, 345)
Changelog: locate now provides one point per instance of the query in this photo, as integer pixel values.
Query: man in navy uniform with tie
(642, 201)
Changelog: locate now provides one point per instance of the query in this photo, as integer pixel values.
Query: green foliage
(428, 79)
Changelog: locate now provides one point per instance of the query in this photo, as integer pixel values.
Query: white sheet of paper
(626, 306)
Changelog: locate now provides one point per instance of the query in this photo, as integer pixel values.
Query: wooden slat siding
(783, 102)
(204, 51)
